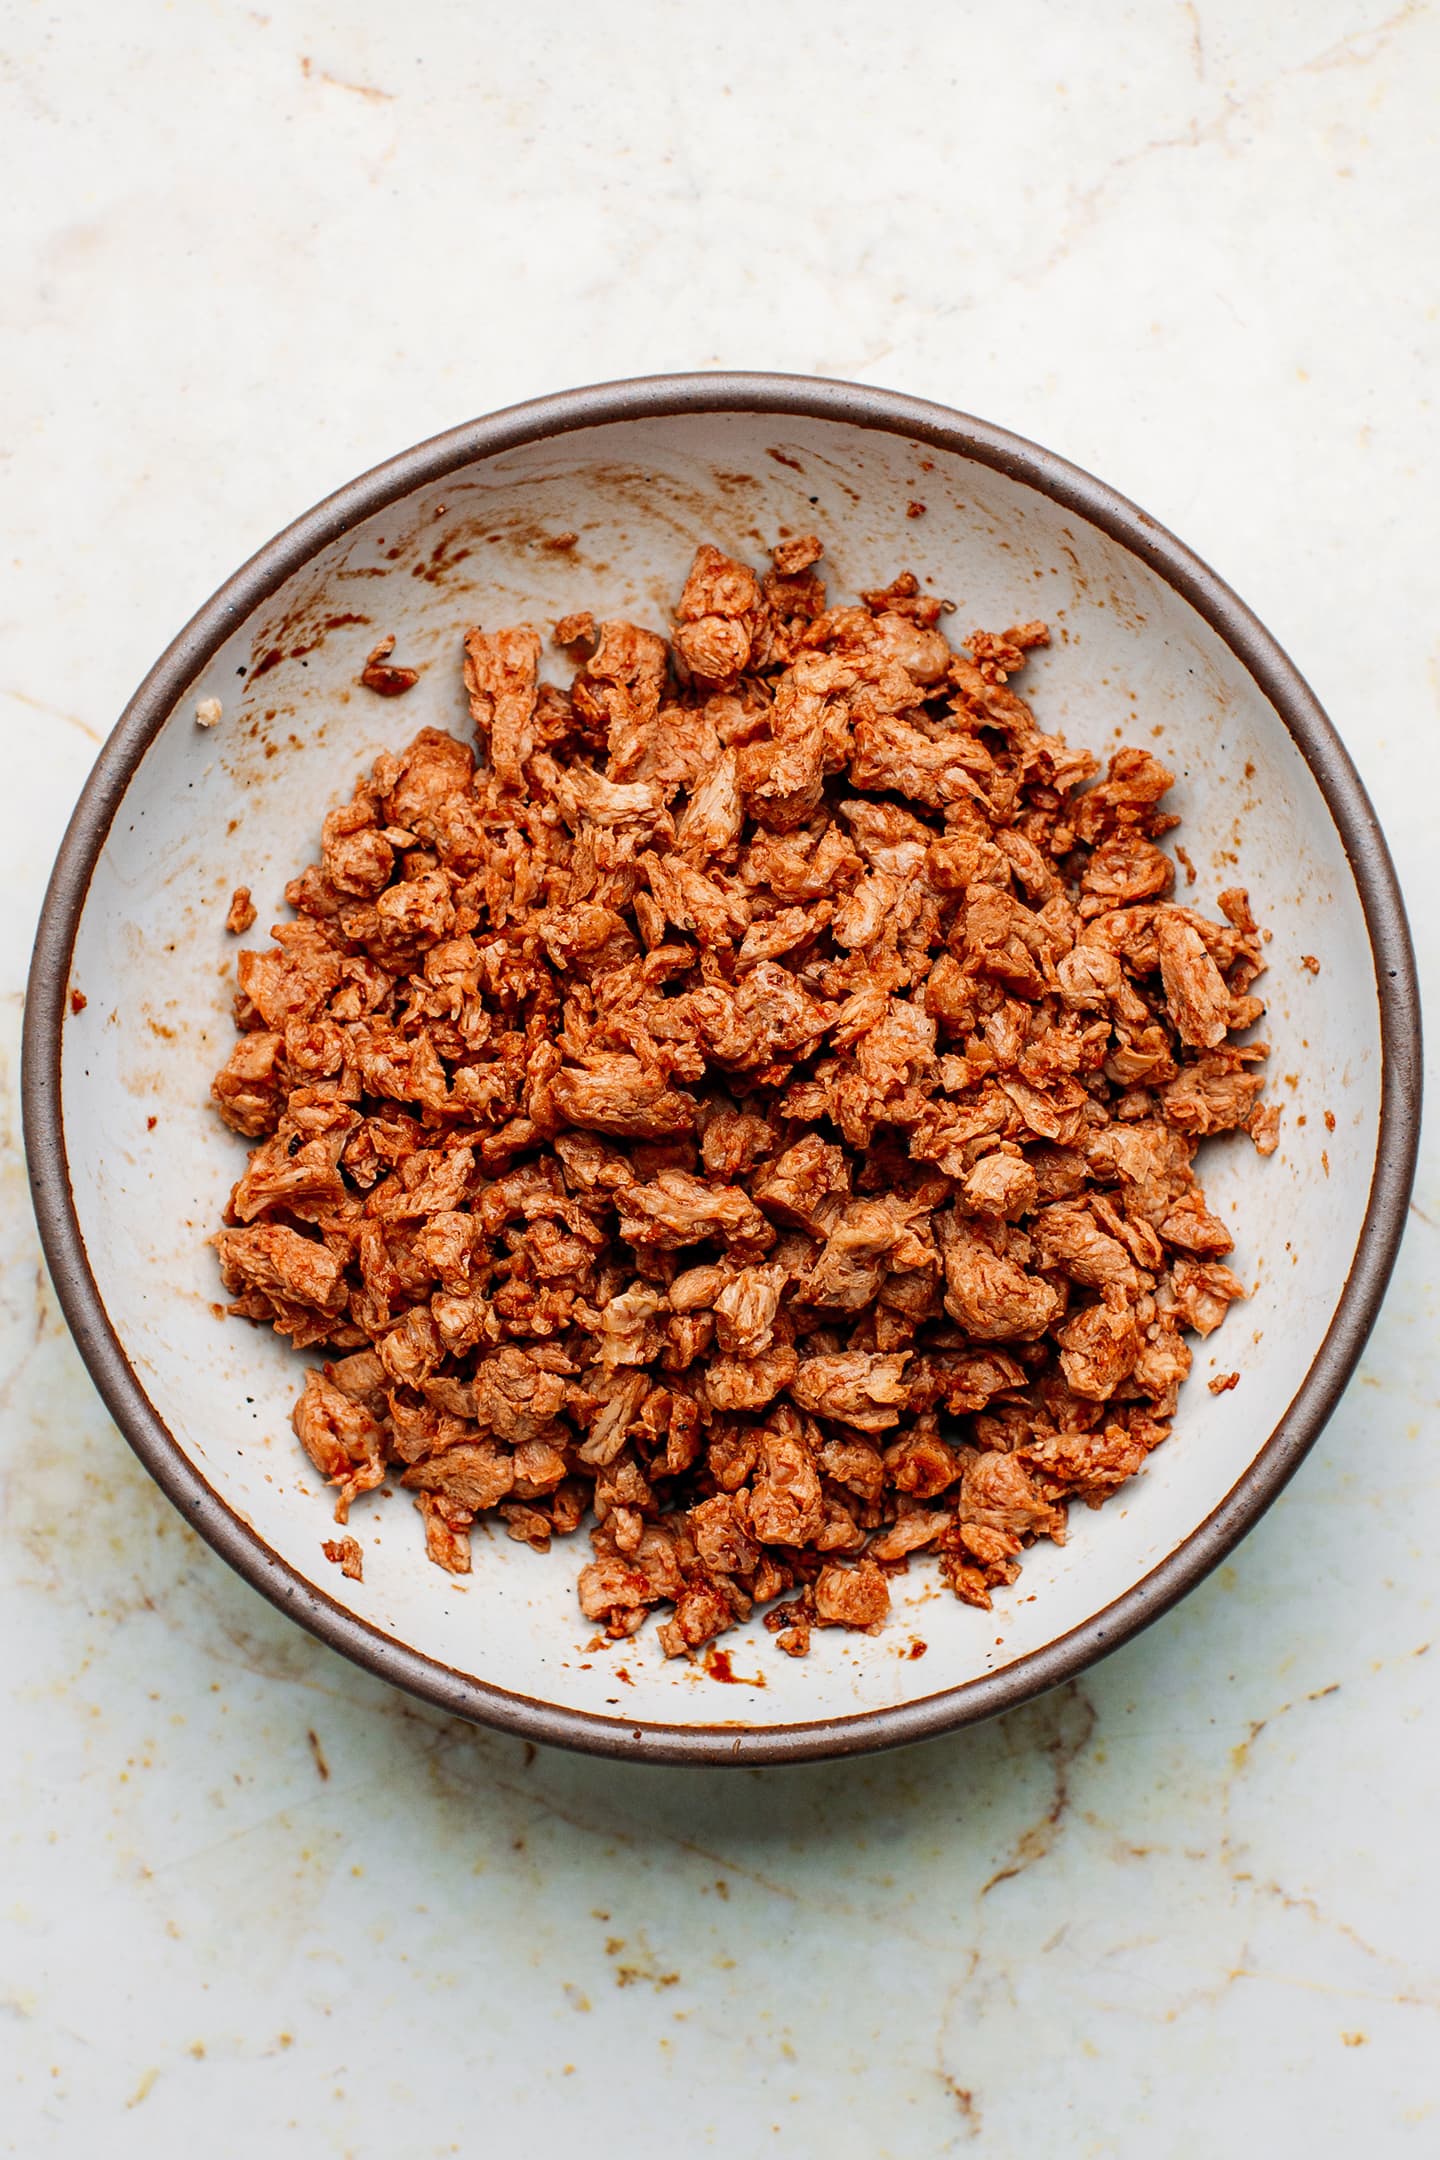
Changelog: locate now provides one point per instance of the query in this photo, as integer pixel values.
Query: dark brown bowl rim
(783, 396)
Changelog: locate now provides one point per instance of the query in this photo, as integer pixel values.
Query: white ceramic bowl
(130, 1167)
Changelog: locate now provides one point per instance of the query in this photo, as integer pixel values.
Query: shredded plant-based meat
(746, 1100)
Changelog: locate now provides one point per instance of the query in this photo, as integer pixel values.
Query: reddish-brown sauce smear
(717, 1666)
(331, 622)
(313, 633)
(445, 556)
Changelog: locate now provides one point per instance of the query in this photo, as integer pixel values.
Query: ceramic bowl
(131, 1169)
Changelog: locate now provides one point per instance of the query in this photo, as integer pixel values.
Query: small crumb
(387, 681)
(1186, 865)
(324, 1769)
(797, 554)
(1354, 2039)
(1263, 1126)
(1310, 963)
(914, 509)
(999, 656)
(1325, 1162)
(1329, 1121)
(241, 915)
(561, 543)
(576, 629)
(151, 1123)
(917, 1647)
(78, 1001)
(347, 1556)
(1223, 1382)
(197, 2049)
(208, 711)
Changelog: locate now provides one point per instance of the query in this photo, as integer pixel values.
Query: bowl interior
(241, 803)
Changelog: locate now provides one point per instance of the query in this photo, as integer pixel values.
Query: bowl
(128, 1014)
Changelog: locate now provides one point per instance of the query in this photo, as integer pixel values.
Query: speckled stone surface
(254, 1901)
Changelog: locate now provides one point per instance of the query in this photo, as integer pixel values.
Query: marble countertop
(252, 1898)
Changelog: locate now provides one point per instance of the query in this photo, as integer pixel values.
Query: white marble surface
(254, 1901)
